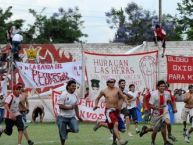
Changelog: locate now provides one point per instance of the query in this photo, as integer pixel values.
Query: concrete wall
(184, 48)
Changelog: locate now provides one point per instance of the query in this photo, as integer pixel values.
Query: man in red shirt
(160, 35)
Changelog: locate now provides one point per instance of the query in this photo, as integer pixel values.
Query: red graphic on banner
(47, 53)
(54, 102)
(180, 69)
(148, 66)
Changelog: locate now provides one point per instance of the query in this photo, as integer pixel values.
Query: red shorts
(112, 116)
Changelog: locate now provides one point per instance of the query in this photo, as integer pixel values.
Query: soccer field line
(43, 142)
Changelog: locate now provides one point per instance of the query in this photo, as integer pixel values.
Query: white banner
(45, 75)
(85, 108)
(138, 69)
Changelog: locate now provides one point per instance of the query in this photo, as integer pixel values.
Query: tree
(185, 20)
(62, 27)
(5, 23)
(133, 25)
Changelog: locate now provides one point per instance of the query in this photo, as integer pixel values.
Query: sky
(92, 11)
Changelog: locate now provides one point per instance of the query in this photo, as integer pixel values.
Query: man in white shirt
(12, 114)
(16, 41)
(160, 116)
(132, 109)
(68, 109)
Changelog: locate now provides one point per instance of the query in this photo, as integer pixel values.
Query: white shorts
(185, 113)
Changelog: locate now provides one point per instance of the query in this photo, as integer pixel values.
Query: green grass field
(47, 134)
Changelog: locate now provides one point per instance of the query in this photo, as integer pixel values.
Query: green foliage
(62, 27)
(185, 20)
(5, 23)
(133, 25)
(47, 134)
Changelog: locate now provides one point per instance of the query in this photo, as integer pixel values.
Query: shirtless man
(188, 100)
(112, 95)
(24, 110)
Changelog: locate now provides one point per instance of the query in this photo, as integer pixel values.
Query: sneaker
(142, 132)
(30, 142)
(187, 136)
(168, 143)
(124, 142)
(186, 139)
(130, 134)
(173, 138)
(114, 143)
(96, 127)
(1, 131)
(137, 131)
(184, 132)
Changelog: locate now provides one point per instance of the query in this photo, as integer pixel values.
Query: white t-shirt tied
(132, 103)
(13, 101)
(67, 99)
(155, 99)
(17, 37)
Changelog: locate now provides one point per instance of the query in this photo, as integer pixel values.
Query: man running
(112, 95)
(160, 116)
(68, 109)
(12, 114)
(24, 110)
(188, 109)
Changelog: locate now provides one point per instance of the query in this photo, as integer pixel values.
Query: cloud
(93, 12)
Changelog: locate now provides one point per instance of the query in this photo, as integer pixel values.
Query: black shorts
(10, 123)
(132, 113)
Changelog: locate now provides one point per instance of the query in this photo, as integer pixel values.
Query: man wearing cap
(12, 114)
(24, 110)
(188, 109)
(112, 96)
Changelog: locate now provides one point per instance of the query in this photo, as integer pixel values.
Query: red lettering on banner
(82, 113)
(179, 69)
(101, 116)
(177, 59)
(41, 78)
(190, 77)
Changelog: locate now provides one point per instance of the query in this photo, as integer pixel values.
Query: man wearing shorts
(112, 95)
(188, 109)
(132, 109)
(24, 110)
(160, 116)
(12, 114)
(2, 101)
(68, 109)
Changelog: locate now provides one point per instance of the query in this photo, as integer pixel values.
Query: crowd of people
(155, 105)
(118, 100)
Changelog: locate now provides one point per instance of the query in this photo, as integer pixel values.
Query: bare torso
(189, 102)
(111, 97)
(23, 101)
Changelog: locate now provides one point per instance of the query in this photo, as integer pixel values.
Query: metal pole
(83, 72)
(160, 11)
